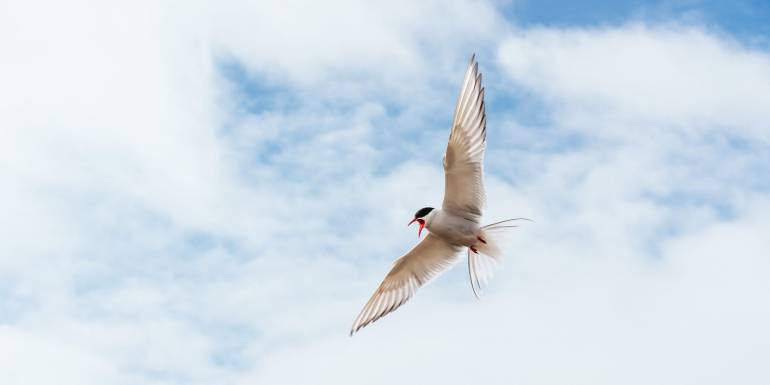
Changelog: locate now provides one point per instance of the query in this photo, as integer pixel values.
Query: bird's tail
(481, 264)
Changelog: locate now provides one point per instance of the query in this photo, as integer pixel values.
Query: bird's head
(420, 217)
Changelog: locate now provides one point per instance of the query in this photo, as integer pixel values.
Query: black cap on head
(423, 212)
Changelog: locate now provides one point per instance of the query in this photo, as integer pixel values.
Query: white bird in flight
(456, 225)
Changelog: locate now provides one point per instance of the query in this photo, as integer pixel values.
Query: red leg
(473, 249)
(482, 240)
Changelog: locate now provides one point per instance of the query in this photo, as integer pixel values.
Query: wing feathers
(425, 261)
(463, 160)
(467, 82)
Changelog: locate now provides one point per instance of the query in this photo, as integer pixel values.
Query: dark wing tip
(356, 327)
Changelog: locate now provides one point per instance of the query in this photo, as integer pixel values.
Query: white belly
(453, 229)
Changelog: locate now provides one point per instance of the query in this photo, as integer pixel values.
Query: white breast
(452, 228)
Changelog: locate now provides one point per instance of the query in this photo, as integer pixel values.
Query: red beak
(422, 225)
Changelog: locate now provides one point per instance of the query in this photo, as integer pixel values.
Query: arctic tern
(456, 225)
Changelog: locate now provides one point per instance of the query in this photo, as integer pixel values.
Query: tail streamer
(481, 265)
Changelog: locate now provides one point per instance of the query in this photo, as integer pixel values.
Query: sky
(208, 193)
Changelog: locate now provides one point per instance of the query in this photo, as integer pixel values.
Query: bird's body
(456, 226)
(453, 228)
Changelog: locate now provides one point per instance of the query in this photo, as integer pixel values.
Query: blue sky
(742, 18)
(208, 193)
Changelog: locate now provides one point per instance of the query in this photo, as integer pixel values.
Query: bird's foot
(473, 249)
(482, 240)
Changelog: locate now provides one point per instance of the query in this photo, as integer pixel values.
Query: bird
(455, 226)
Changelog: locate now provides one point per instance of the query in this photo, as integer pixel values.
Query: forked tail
(481, 264)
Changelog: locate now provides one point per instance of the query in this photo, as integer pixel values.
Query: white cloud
(158, 231)
(332, 43)
(662, 76)
(23, 353)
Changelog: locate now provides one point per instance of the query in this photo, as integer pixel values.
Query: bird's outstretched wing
(429, 258)
(464, 157)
